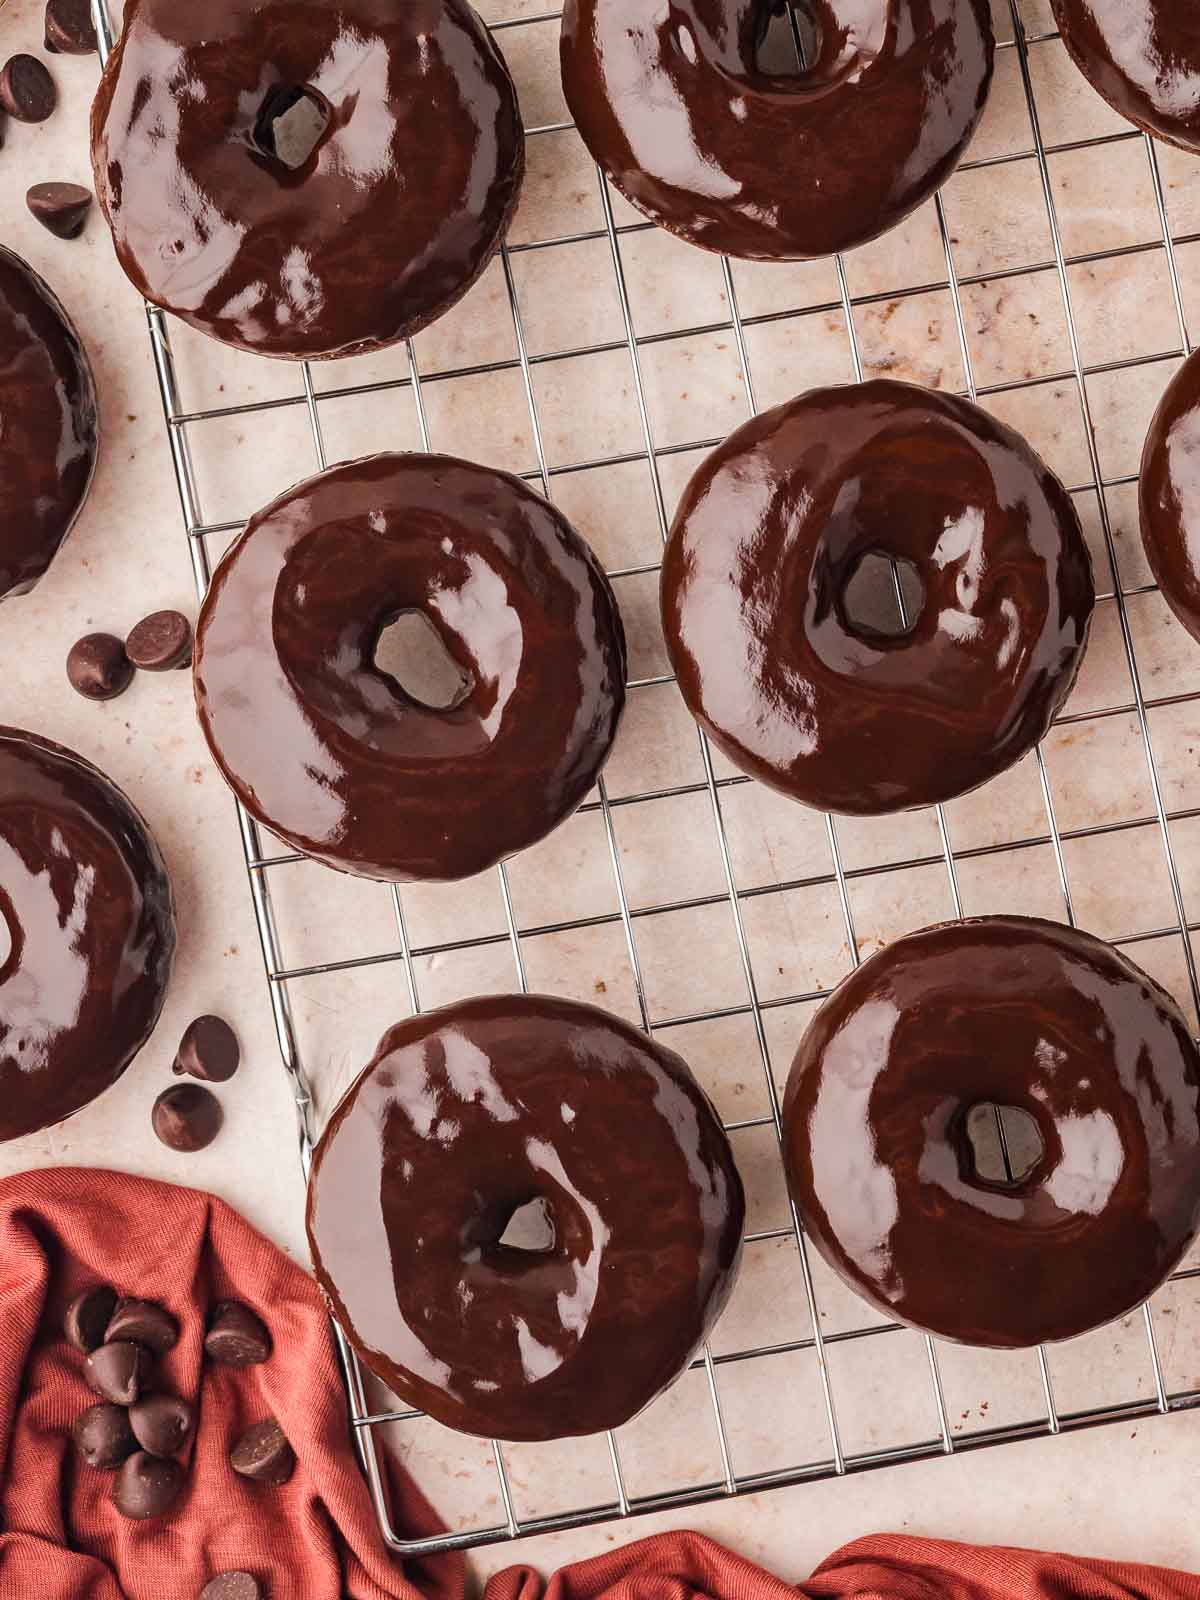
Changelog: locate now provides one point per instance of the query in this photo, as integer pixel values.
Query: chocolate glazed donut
(488, 1110)
(328, 750)
(386, 221)
(1011, 1012)
(1143, 56)
(47, 426)
(91, 933)
(1169, 494)
(670, 101)
(768, 537)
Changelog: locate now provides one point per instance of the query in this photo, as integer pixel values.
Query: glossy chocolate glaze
(1170, 495)
(47, 425)
(670, 101)
(1015, 1012)
(769, 534)
(1143, 56)
(329, 751)
(468, 1114)
(90, 933)
(388, 221)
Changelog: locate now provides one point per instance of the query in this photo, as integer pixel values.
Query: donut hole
(8, 943)
(411, 651)
(530, 1228)
(790, 40)
(290, 124)
(1004, 1143)
(883, 596)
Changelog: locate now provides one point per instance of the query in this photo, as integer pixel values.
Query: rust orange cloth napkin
(313, 1539)
(687, 1566)
(316, 1538)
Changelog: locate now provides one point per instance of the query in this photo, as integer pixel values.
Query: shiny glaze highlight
(469, 1113)
(671, 102)
(1143, 56)
(87, 903)
(328, 750)
(47, 425)
(770, 532)
(1016, 1012)
(1169, 493)
(387, 223)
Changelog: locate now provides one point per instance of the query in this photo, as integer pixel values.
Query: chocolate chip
(160, 642)
(147, 1486)
(86, 1322)
(60, 207)
(161, 1423)
(117, 1371)
(98, 668)
(208, 1050)
(232, 1586)
(146, 1323)
(103, 1436)
(69, 28)
(27, 90)
(187, 1116)
(236, 1337)
(264, 1455)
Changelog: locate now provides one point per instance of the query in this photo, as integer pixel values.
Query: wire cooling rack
(810, 1384)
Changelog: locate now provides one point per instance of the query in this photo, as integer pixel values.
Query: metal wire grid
(839, 1460)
